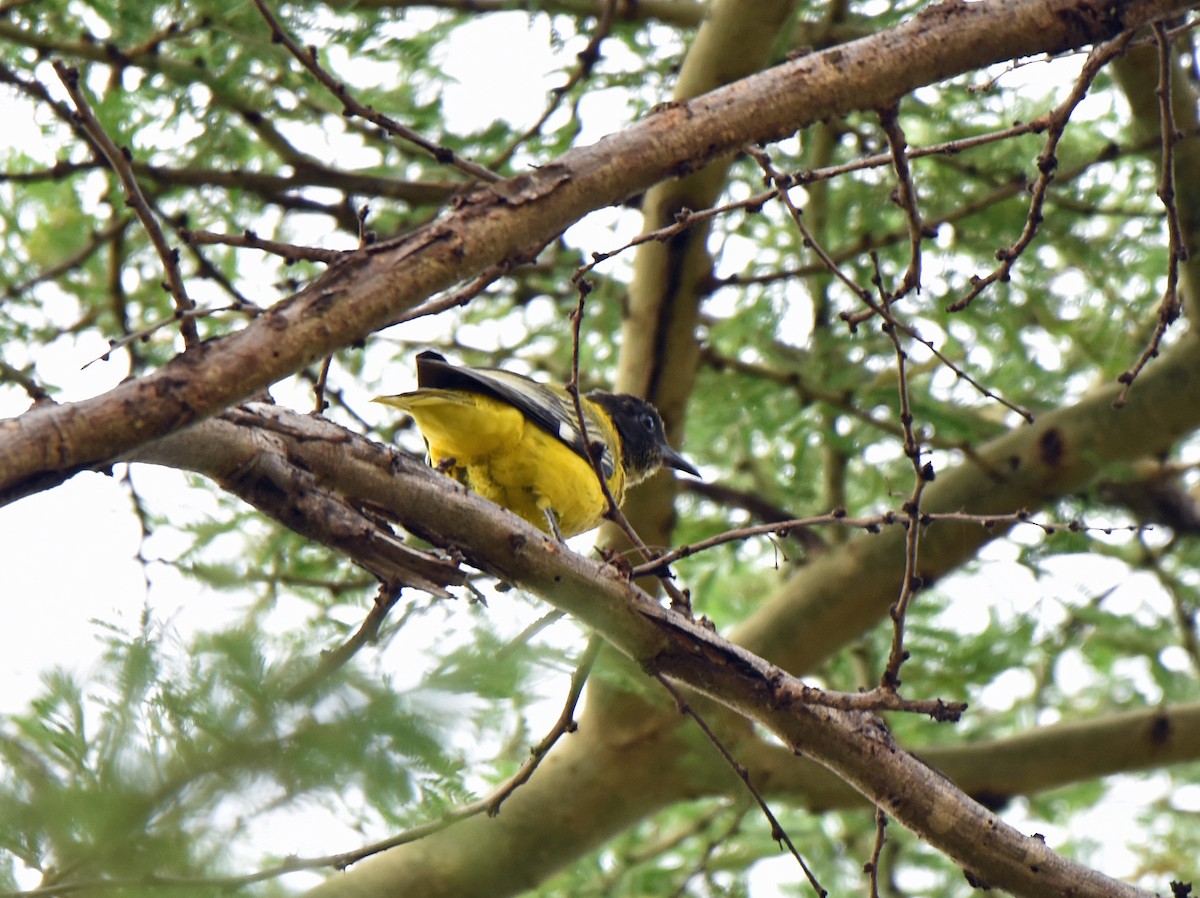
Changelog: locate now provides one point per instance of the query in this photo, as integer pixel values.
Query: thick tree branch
(849, 744)
(843, 592)
(849, 589)
(255, 464)
(854, 745)
(992, 771)
(47, 445)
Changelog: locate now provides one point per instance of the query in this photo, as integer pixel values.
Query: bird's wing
(551, 409)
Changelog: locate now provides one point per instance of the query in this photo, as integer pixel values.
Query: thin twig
(959, 213)
(762, 510)
(34, 390)
(588, 57)
(873, 524)
(1183, 599)
(906, 198)
(584, 287)
(489, 804)
(840, 400)
(1169, 306)
(190, 315)
(366, 236)
(564, 724)
(871, 867)
(307, 57)
(173, 31)
(880, 698)
(523, 638)
(70, 263)
(923, 475)
(118, 159)
(686, 218)
(782, 184)
(1055, 123)
(948, 148)
(36, 91)
(778, 833)
(205, 269)
(319, 403)
(248, 239)
(960, 372)
(367, 632)
(703, 864)
(465, 294)
(679, 599)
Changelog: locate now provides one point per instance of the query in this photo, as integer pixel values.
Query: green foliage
(183, 744)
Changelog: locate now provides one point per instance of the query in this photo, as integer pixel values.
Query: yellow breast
(491, 448)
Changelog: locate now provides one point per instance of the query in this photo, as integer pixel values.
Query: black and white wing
(550, 408)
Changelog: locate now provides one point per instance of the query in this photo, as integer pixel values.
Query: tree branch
(850, 743)
(47, 445)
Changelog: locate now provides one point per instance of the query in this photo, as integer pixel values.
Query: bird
(517, 441)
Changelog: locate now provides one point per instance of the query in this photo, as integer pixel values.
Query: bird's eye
(648, 422)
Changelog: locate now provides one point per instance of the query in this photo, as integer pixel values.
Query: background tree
(913, 303)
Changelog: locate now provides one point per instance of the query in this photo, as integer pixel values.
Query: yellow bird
(517, 442)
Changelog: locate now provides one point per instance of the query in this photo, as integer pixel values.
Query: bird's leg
(552, 520)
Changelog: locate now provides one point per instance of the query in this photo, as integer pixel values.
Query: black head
(644, 447)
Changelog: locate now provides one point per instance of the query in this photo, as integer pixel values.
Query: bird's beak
(673, 459)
